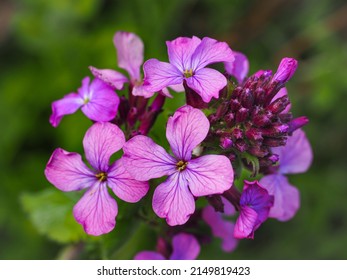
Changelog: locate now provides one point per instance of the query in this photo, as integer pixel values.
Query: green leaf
(51, 213)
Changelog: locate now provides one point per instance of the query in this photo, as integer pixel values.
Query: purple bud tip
(285, 70)
(274, 158)
(297, 123)
(226, 143)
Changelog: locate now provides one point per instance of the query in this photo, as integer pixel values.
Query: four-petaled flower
(184, 247)
(187, 177)
(96, 210)
(188, 58)
(295, 157)
(98, 102)
(255, 204)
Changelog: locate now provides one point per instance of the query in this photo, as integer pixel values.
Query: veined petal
(67, 172)
(207, 83)
(100, 142)
(211, 51)
(123, 185)
(148, 255)
(129, 53)
(96, 211)
(287, 197)
(181, 50)
(145, 160)
(185, 247)
(296, 156)
(186, 129)
(209, 174)
(102, 103)
(238, 68)
(220, 228)
(111, 77)
(173, 200)
(244, 227)
(69, 104)
(159, 75)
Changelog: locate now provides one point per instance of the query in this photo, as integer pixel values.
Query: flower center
(102, 176)
(188, 73)
(181, 165)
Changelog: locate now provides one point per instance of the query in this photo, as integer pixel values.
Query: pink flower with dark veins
(97, 100)
(255, 204)
(295, 157)
(188, 59)
(187, 177)
(96, 210)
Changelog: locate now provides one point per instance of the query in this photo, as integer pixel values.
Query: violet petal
(185, 247)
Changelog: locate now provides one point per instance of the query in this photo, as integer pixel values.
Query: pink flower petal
(100, 142)
(69, 104)
(111, 77)
(123, 185)
(145, 160)
(244, 227)
(296, 156)
(287, 197)
(210, 174)
(67, 172)
(159, 75)
(282, 92)
(102, 102)
(211, 51)
(185, 247)
(140, 90)
(239, 68)
(186, 129)
(181, 50)
(129, 53)
(173, 200)
(220, 228)
(148, 255)
(96, 211)
(207, 83)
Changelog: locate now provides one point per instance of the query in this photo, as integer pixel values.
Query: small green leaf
(51, 213)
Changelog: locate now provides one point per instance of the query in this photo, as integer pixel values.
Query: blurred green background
(45, 49)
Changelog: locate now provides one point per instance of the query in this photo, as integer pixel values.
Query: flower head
(295, 157)
(96, 210)
(184, 247)
(188, 58)
(98, 102)
(256, 117)
(255, 204)
(187, 177)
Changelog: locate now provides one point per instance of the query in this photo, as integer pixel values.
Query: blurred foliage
(45, 50)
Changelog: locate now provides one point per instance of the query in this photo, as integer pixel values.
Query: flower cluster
(247, 125)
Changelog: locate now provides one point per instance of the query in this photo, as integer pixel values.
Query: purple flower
(129, 49)
(295, 157)
(188, 58)
(96, 210)
(98, 102)
(187, 177)
(255, 204)
(184, 245)
(221, 227)
(238, 68)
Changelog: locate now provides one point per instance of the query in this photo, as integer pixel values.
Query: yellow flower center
(102, 176)
(188, 73)
(181, 165)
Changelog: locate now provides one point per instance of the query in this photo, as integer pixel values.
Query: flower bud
(285, 70)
